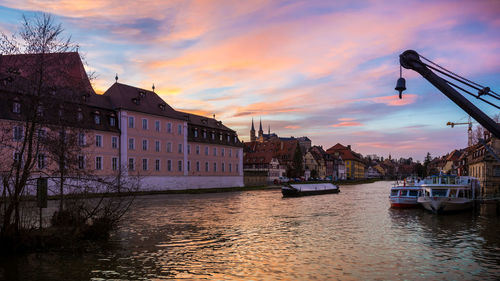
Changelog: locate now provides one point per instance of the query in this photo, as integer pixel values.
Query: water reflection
(259, 235)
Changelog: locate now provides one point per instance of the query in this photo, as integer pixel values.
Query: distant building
(354, 164)
(484, 166)
(304, 142)
(259, 154)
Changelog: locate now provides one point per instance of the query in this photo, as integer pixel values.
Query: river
(258, 235)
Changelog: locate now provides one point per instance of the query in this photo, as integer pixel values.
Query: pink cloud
(292, 127)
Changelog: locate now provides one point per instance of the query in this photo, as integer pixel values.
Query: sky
(322, 69)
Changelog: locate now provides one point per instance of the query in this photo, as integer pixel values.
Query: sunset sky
(322, 69)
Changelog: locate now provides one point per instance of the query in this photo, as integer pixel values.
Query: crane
(469, 131)
(412, 60)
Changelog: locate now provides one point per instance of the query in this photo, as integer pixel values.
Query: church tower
(252, 133)
(261, 132)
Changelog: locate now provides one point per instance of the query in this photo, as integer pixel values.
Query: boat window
(452, 180)
(453, 193)
(461, 193)
(443, 180)
(427, 193)
(403, 193)
(394, 192)
(413, 193)
(439, 192)
(435, 180)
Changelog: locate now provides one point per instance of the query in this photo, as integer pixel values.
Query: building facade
(132, 132)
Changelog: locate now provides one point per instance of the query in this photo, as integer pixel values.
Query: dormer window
(195, 133)
(16, 107)
(39, 110)
(79, 115)
(112, 120)
(162, 107)
(204, 134)
(97, 118)
(142, 94)
(213, 135)
(220, 137)
(135, 101)
(235, 139)
(227, 138)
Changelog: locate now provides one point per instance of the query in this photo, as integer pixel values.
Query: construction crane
(469, 131)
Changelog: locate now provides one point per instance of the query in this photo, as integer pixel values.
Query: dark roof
(203, 121)
(60, 70)
(136, 99)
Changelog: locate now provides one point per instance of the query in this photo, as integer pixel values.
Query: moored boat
(405, 195)
(296, 190)
(442, 194)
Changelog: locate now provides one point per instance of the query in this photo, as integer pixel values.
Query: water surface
(258, 235)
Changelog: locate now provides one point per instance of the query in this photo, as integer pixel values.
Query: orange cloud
(347, 124)
(292, 127)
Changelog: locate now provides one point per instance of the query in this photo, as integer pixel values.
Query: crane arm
(411, 60)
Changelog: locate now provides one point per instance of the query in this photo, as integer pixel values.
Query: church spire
(261, 132)
(252, 133)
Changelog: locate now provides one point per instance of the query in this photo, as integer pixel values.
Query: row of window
(180, 167)
(157, 125)
(212, 135)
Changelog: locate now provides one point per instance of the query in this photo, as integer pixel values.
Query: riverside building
(128, 130)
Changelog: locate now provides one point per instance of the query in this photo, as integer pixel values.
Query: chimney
(349, 146)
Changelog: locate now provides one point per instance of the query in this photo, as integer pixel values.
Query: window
(42, 134)
(230, 152)
(197, 166)
(112, 121)
(215, 167)
(169, 127)
(189, 148)
(220, 137)
(145, 124)
(16, 107)
(114, 163)
(215, 151)
(41, 161)
(195, 133)
(197, 150)
(98, 141)
(144, 144)
(496, 171)
(79, 115)
(81, 162)
(189, 166)
(97, 119)
(222, 152)
(223, 168)
(81, 139)
(98, 163)
(227, 138)
(114, 142)
(179, 165)
(230, 168)
(179, 129)
(169, 165)
(157, 146)
(235, 139)
(157, 164)
(169, 147)
(18, 133)
(206, 150)
(131, 122)
(131, 143)
(179, 148)
(145, 164)
(206, 166)
(213, 135)
(204, 134)
(131, 164)
(17, 157)
(237, 168)
(157, 125)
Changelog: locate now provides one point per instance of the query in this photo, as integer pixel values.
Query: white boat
(441, 194)
(405, 195)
